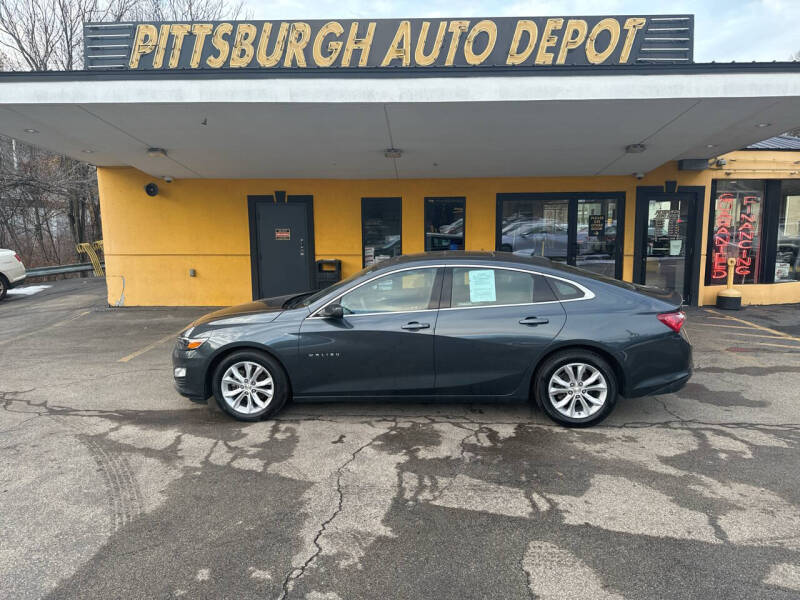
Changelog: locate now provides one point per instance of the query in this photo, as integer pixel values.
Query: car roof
(456, 256)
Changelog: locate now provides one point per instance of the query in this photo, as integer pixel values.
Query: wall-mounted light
(635, 148)
(393, 153)
(156, 153)
(721, 162)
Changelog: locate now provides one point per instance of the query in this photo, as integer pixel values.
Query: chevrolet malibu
(460, 325)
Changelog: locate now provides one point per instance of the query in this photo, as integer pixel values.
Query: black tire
(569, 359)
(3, 286)
(249, 410)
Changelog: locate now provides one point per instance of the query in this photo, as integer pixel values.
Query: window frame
(572, 217)
(448, 199)
(447, 288)
(434, 303)
(444, 276)
(770, 216)
(385, 200)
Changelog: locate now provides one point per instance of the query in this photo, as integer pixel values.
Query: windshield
(310, 298)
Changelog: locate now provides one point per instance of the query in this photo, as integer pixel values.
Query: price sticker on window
(481, 286)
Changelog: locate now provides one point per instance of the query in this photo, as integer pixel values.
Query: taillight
(17, 257)
(673, 320)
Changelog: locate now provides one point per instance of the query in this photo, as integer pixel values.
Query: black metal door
(281, 245)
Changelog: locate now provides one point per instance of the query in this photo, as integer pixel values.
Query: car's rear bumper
(660, 367)
(16, 276)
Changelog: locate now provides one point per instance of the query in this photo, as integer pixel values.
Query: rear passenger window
(564, 290)
(492, 287)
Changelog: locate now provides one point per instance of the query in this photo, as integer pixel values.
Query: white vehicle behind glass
(12, 271)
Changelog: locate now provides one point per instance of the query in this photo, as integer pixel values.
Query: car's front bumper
(189, 369)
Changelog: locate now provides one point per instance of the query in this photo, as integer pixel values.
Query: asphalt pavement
(114, 486)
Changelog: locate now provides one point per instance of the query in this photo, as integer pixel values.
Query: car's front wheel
(576, 388)
(250, 385)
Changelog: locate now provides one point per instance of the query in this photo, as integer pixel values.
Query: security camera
(721, 162)
(151, 189)
(168, 179)
(639, 175)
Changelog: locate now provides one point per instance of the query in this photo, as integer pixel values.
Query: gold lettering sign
(408, 44)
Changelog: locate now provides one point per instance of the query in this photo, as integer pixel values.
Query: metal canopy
(339, 127)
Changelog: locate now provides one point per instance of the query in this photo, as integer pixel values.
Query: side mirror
(332, 311)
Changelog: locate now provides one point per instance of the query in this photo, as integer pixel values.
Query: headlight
(192, 343)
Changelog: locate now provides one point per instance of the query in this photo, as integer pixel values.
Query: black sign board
(501, 43)
(597, 225)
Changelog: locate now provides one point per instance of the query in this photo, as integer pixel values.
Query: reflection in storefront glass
(444, 224)
(667, 221)
(736, 231)
(597, 236)
(381, 228)
(536, 228)
(787, 257)
(540, 227)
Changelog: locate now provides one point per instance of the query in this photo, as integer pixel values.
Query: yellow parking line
(754, 325)
(716, 326)
(46, 327)
(778, 345)
(758, 335)
(149, 347)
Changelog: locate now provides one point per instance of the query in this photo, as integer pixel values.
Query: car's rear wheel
(576, 388)
(250, 385)
(3, 286)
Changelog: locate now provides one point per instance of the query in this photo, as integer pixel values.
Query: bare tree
(49, 203)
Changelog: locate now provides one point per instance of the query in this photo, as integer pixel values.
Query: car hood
(263, 310)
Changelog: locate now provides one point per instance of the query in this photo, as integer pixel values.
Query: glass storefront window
(381, 229)
(536, 228)
(540, 226)
(596, 248)
(735, 223)
(787, 257)
(444, 223)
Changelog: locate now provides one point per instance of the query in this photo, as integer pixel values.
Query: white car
(12, 271)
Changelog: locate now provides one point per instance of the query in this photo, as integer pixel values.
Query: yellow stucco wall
(202, 224)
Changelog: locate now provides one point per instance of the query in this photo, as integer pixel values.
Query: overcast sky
(725, 30)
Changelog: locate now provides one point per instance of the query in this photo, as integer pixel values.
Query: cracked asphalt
(113, 486)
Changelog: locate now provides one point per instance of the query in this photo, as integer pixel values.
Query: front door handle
(414, 325)
(534, 321)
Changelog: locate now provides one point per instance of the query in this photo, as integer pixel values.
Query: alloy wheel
(247, 387)
(577, 390)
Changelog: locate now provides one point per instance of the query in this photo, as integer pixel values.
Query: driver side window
(397, 292)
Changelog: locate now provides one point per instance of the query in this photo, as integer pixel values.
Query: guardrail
(60, 269)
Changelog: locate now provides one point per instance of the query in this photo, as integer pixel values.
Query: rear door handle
(534, 321)
(414, 325)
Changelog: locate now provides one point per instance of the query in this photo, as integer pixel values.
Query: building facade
(199, 241)
(245, 159)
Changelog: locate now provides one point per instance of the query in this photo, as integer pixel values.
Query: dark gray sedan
(463, 325)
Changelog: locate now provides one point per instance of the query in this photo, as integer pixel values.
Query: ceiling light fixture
(393, 153)
(31, 131)
(635, 148)
(156, 153)
(711, 145)
(762, 125)
(87, 151)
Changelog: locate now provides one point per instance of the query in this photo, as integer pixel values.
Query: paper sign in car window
(481, 286)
